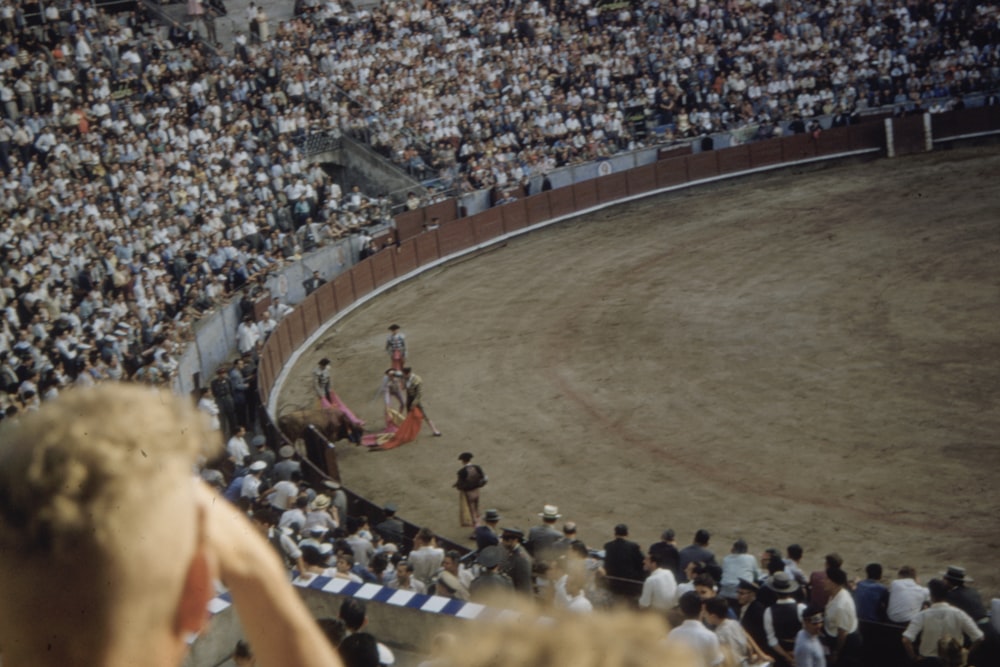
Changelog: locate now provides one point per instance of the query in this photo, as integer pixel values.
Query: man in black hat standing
(471, 478)
(783, 619)
(518, 565)
(487, 535)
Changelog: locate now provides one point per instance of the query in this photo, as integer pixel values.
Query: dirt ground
(808, 357)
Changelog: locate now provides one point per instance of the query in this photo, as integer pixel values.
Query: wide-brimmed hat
(782, 583)
(955, 573)
(287, 452)
(321, 502)
(330, 484)
(491, 556)
(257, 466)
(747, 585)
(491, 516)
(550, 512)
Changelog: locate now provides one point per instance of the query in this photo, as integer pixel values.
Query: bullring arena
(805, 356)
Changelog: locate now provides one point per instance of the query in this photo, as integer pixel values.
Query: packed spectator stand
(148, 176)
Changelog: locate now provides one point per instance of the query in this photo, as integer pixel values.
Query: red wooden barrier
(514, 216)
(611, 187)
(702, 165)
(866, 135)
(537, 208)
(383, 266)
(409, 223)
(445, 211)
(735, 158)
(364, 282)
(798, 147)
(310, 314)
(344, 290)
(487, 225)
(561, 202)
(641, 179)
(455, 236)
(908, 133)
(671, 172)
(296, 328)
(427, 248)
(832, 141)
(584, 195)
(406, 257)
(764, 153)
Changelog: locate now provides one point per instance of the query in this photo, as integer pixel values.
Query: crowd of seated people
(137, 194)
(480, 95)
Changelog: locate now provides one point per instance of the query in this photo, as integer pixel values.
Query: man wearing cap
(783, 619)
(518, 565)
(259, 451)
(470, 478)
(937, 621)
(542, 537)
(395, 345)
(808, 647)
(487, 535)
(251, 483)
(391, 527)
(491, 581)
(284, 468)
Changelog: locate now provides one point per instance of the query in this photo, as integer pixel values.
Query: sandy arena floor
(801, 357)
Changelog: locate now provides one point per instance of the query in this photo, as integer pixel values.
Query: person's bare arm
(278, 626)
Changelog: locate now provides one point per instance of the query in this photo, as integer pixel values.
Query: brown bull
(330, 422)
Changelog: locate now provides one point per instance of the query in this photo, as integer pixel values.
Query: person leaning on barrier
(109, 545)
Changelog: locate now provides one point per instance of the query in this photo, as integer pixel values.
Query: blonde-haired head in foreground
(599, 639)
(98, 527)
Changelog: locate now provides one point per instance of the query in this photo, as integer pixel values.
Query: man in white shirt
(251, 483)
(936, 622)
(426, 558)
(237, 447)
(841, 620)
(659, 590)
(906, 596)
(693, 634)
